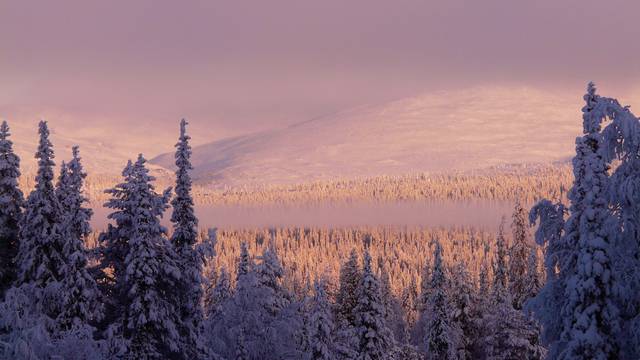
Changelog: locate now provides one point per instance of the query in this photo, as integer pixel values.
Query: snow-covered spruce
(11, 202)
(347, 297)
(80, 297)
(41, 259)
(518, 258)
(149, 273)
(500, 280)
(321, 327)
(190, 261)
(442, 336)
(591, 316)
(375, 340)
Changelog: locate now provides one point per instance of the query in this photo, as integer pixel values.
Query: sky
(239, 66)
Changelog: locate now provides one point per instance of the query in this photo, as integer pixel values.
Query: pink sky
(237, 66)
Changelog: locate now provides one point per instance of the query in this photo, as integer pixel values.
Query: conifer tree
(220, 293)
(442, 337)
(150, 269)
(484, 286)
(465, 313)
(591, 316)
(511, 334)
(534, 282)
(40, 257)
(245, 264)
(410, 306)
(347, 297)
(559, 263)
(500, 290)
(518, 258)
(79, 292)
(321, 326)
(189, 294)
(394, 316)
(425, 286)
(11, 203)
(374, 337)
(270, 273)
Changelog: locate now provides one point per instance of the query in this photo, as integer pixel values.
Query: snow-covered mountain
(470, 129)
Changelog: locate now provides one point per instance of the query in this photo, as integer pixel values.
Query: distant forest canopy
(527, 183)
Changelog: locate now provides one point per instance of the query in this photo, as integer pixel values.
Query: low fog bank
(485, 214)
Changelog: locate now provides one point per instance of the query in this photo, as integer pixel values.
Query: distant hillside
(471, 129)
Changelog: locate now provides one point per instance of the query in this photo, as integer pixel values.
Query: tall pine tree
(591, 316)
(185, 224)
(518, 257)
(375, 340)
(148, 275)
(11, 202)
(321, 326)
(347, 297)
(80, 295)
(41, 256)
(442, 337)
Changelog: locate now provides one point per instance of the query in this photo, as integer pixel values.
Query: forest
(558, 280)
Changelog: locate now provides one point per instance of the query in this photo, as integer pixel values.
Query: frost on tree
(587, 260)
(80, 297)
(375, 340)
(147, 318)
(347, 297)
(592, 318)
(518, 258)
(442, 336)
(500, 280)
(41, 256)
(465, 312)
(321, 326)
(190, 261)
(260, 310)
(11, 202)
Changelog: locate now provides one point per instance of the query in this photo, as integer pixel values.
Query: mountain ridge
(468, 129)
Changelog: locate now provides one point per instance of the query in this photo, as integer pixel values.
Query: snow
(459, 130)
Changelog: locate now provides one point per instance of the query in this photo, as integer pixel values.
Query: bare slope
(442, 131)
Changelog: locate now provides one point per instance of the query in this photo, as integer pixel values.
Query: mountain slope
(442, 131)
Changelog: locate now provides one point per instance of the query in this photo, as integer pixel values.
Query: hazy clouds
(236, 66)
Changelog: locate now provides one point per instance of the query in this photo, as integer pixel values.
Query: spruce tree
(465, 314)
(245, 264)
(80, 295)
(220, 293)
(511, 334)
(321, 326)
(114, 244)
(270, 273)
(148, 319)
(375, 340)
(500, 290)
(11, 203)
(559, 263)
(484, 286)
(518, 258)
(189, 294)
(508, 333)
(442, 337)
(534, 282)
(591, 316)
(41, 257)
(347, 297)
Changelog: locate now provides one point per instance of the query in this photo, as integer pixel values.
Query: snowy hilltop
(442, 131)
